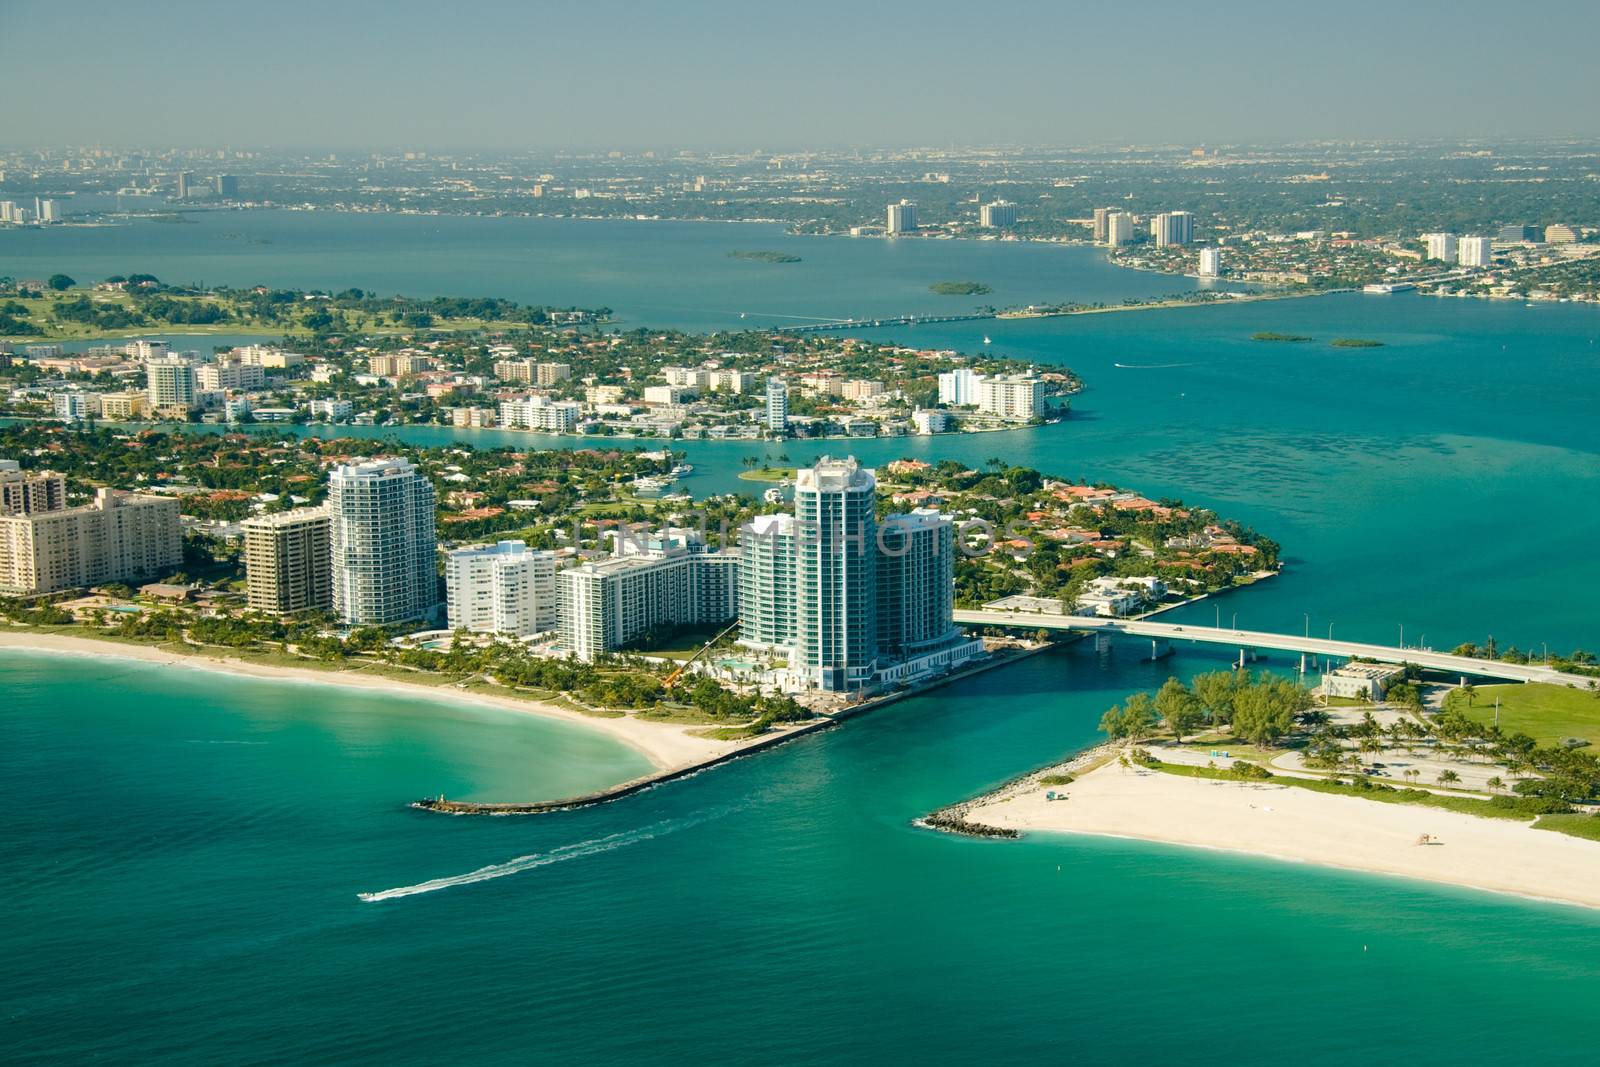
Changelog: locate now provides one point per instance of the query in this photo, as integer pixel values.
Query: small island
(760, 256)
(1355, 342)
(960, 289)
(1286, 338)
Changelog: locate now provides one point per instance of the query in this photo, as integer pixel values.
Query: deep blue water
(198, 902)
(667, 274)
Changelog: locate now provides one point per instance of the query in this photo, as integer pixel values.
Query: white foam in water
(539, 859)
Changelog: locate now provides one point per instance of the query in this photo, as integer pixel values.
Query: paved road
(1257, 639)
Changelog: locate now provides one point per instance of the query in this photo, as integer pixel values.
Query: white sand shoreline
(1286, 824)
(666, 746)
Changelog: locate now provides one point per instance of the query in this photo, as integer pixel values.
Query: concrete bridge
(893, 320)
(1250, 640)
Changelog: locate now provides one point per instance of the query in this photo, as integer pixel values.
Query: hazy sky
(709, 73)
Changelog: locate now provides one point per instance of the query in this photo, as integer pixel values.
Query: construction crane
(672, 679)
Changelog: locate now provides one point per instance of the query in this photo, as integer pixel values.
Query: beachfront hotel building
(851, 603)
(383, 542)
(288, 561)
(767, 561)
(835, 589)
(657, 581)
(116, 537)
(504, 588)
(915, 585)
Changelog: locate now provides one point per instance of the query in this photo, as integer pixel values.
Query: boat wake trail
(560, 854)
(1151, 366)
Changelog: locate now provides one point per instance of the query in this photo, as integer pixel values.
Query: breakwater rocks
(952, 823)
(953, 819)
(539, 807)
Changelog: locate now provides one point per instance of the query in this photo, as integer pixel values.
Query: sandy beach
(667, 746)
(1282, 822)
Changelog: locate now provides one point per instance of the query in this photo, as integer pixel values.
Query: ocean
(206, 869)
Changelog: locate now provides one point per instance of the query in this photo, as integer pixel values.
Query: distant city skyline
(716, 75)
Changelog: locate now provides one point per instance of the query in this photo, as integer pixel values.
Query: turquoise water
(199, 902)
(176, 898)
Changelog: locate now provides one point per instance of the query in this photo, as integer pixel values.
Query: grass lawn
(1544, 711)
(680, 715)
(770, 474)
(1576, 825)
(1346, 702)
(1464, 804)
(41, 313)
(729, 733)
(681, 643)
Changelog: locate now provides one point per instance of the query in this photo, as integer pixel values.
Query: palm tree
(1495, 784)
(1469, 691)
(1411, 774)
(1448, 777)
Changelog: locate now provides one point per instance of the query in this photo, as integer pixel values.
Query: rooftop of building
(1378, 671)
(835, 475)
(506, 549)
(284, 518)
(388, 466)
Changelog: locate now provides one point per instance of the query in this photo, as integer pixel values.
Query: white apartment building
(1172, 228)
(331, 409)
(229, 373)
(693, 379)
(1441, 246)
(383, 542)
(669, 580)
(1016, 398)
(999, 215)
(171, 383)
(777, 417)
(146, 350)
(1119, 228)
(959, 387)
(267, 356)
(733, 381)
(664, 395)
(71, 406)
(902, 217)
(1473, 252)
(1210, 262)
(539, 413)
(503, 588)
(851, 603)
